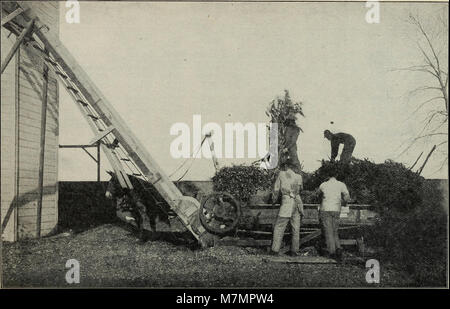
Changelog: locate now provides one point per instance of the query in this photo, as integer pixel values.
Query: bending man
(337, 139)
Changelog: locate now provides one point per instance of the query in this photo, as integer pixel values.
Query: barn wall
(8, 140)
(22, 102)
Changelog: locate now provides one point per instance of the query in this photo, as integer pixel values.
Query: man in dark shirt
(337, 139)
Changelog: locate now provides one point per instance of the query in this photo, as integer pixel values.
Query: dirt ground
(111, 256)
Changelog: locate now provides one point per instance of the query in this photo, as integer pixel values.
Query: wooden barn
(25, 196)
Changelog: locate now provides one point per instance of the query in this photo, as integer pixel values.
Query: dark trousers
(347, 152)
(330, 225)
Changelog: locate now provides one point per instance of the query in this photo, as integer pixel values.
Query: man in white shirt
(332, 191)
(289, 184)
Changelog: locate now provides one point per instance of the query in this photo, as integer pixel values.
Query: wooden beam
(311, 236)
(11, 16)
(16, 45)
(249, 242)
(299, 260)
(42, 152)
(18, 144)
(101, 135)
(98, 162)
(261, 206)
(92, 157)
(304, 240)
(77, 146)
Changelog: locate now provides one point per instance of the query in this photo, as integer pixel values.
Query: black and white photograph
(221, 144)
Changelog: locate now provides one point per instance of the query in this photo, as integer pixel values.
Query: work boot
(339, 255)
(274, 253)
(294, 254)
(143, 237)
(325, 254)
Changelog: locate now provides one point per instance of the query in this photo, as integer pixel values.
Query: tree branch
(416, 161)
(426, 160)
(425, 102)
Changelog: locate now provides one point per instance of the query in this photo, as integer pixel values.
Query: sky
(161, 63)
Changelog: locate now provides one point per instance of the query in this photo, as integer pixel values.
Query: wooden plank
(8, 138)
(8, 124)
(7, 184)
(33, 150)
(30, 222)
(8, 152)
(7, 82)
(311, 236)
(101, 135)
(7, 117)
(30, 196)
(248, 242)
(50, 128)
(30, 107)
(33, 161)
(32, 126)
(33, 173)
(7, 141)
(261, 206)
(31, 132)
(348, 242)
(16, 45)
(299, 260)
(31, 103)
(34, 182)
(26, 164)
(27, 229)
(25, 189)
(32, 78)
(31, 212)
(34, 95)
(11, 16)
(31, 139)
(27, 175)
(29, 202)
(17, 143)
(78, 146)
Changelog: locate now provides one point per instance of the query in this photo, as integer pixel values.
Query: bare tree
(432, 45)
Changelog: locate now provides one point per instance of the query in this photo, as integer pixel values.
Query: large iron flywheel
(220, 213)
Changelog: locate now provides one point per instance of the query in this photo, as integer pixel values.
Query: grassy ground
(110, 256)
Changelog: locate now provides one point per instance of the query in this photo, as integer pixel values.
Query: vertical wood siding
(8, 141)
(22, 133)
